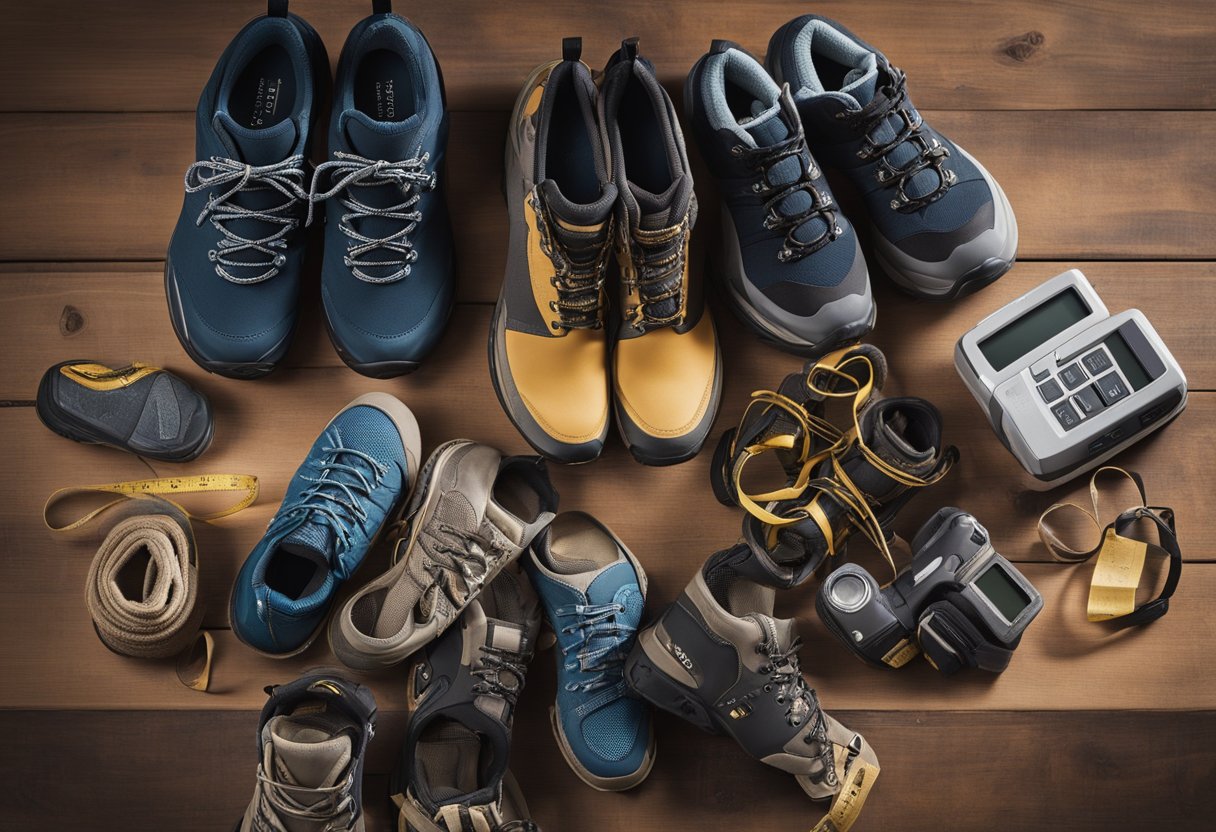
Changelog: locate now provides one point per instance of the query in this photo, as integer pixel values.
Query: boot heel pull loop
(276, 8)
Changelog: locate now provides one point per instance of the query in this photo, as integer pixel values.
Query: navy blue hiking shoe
(389, 271)
(232, 273)
(350, 486)
(593, 590)
(792, 266)
(941, 224)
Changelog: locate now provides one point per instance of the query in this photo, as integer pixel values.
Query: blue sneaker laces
(286, 177)
(334, 502)
(607, 661)
(410, 175)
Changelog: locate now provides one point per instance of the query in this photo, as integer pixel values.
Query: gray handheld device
(1065, 384)
(958, 602)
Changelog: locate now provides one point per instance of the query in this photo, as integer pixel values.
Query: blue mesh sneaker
(942, 226)
(389, 271)
(792, 266)
(355, 477)
(593, 590)
(232, 272)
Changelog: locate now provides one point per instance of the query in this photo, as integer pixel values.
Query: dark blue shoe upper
(234, 261)
(389, 271)
(348, 485)
(790, 237)
(860, 120)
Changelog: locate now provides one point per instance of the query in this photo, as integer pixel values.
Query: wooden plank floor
(1097, 118)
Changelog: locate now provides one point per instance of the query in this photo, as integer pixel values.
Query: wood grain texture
(1092, 202)
(940, 770)
(117, 311)
(133, 55)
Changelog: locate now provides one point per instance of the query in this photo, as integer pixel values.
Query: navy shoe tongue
(767, 128)
(257, 147)
(390, 141)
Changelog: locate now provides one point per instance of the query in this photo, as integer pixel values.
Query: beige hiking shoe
(474, 512)
(314, 732)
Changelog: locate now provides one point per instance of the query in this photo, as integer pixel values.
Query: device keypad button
(1111, 388)
(1096, 362)
(1050, 391)
(1088, 401)
(1072, 376)
(1066, 415)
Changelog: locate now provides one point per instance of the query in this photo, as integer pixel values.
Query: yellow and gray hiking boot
(548, 346)
(666, 364)
(718, 658)
(311, 741)
(473, 512)
(452, 774)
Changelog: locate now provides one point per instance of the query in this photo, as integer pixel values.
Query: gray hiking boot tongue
(767, 127)
(256, 147)
(391, 141)
(309, 754)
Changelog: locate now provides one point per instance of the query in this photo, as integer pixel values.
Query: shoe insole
(831, 73)
(293, 573)
(384, 88)
(739, 100)
(265, 92)
(579, 545)
(515, 494)
(451, 758)
(569, 149)
(642, 141)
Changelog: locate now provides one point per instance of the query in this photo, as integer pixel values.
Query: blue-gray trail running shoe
(389, 270)
(232, 273)
(941, 224)
(593, 590)
(792, 266)
(349, 487)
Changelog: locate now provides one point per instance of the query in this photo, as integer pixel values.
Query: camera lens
(849, 593)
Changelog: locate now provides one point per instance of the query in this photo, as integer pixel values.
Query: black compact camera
(959, 602)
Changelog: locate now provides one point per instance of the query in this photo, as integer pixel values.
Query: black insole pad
(384, 88)
(265, 92)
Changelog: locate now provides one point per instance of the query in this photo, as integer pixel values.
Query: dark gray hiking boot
(666, 364)
(718, 658)
(452, 776)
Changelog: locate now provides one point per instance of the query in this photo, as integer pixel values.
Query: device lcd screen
(1009, 598)
(1040, 324)
(1132, 369)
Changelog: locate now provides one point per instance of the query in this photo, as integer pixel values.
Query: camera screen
(1009, 598)
(1044, 322)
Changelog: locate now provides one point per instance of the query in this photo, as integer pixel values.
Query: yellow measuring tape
(154, 625)
(137, 489)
